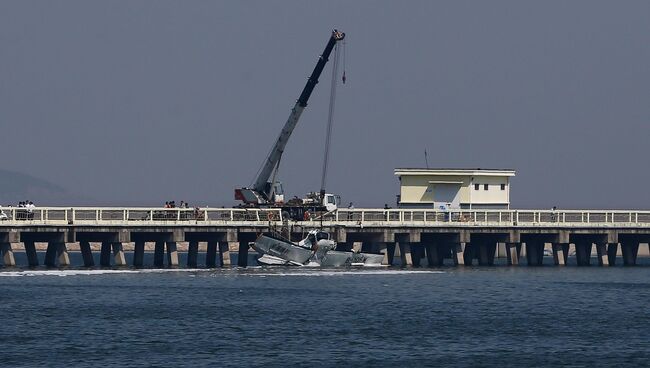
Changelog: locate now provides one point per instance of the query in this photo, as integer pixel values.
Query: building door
(445, 196)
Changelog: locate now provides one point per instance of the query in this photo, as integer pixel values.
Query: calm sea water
(447, 317)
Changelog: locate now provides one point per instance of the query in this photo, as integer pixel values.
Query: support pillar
(383, 249)
(612, 249)
(118, 254)
(50, 254)
(630, 251)
(242, 260)
(469, 254)
(159, 254)
(583, 253)
(512, 252)
(535, 253)
(603, 258)
(7, 255)
(405, 252)
(105, 256)
(434, 256)
(486, 254)
(224, 254)
(417, 253)
(86, 254)
(211, 255)
(62, 255)
(138, 254)
(192, 254)
(32, 256)
(560, 254)
(172, 254)
(459, 253)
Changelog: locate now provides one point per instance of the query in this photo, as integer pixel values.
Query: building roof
(454, 172)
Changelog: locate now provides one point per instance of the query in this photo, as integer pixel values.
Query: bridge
(410, 237)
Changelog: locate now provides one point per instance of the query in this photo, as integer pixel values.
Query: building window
(503, 187)
(485, 187)
(476, 186)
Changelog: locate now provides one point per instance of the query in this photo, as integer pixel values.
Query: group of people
(26, 212)
(172, 204)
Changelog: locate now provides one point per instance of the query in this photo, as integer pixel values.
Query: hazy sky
(139, 102)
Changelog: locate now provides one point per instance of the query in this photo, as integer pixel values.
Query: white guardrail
(13, 216)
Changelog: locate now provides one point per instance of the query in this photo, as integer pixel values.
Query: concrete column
(603, 259)
(32, 256)
(470, 253)
(459, 253)
(417, 253)
(486, 254)
(535, 253)
(62, 254)
(192, 254)
(211, 255)
(8, 258)
(434, 256)
(172, 254)
(405, 252)
(50, 254)
(105, 256)
(583, 253)
(630, 251)
(383, 249)
(243, 254)
(501, 250)
(138, 254)
(159, 254)
(118, 254)
(612, 249)
(560, 254)
(356, 247)
(224, 253)
(86, 254)
(512, 252)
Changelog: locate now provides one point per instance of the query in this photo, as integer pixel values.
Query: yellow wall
(416, 188)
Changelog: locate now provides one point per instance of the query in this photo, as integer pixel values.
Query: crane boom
(262, 188)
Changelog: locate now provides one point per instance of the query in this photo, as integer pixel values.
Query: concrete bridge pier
(50, 254)
(62, 254)
(211, 254)
(583, 253)
(138, 254)
(612, 249)
(224, 253)
(159, 254)
(242, 256)
(434, 255)
(86, 254)
(30, 251)
(172, 254)
(512, 252)
(192, 254)
(458, 253)
(486, 251)
(535, 253)
(629, 251)
(7, 252)
(603, 257)
(383, 249)
(405, 253)
(105, 255)
(560, 253)
(118, 254)
(417, 253)
(469, 254)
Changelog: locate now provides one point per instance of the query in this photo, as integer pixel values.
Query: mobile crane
(266, 190)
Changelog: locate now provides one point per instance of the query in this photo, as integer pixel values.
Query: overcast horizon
(140, 102)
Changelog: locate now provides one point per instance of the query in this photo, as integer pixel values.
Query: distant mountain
(16, 187)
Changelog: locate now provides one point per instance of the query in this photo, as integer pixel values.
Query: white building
(454, 188)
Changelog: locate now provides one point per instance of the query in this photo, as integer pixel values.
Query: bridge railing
(347, 217)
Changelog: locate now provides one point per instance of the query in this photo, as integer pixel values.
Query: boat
(316, 250)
